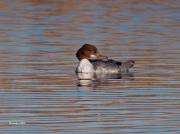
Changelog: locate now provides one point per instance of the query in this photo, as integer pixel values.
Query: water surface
(39, 91)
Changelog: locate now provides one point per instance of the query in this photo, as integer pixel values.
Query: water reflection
(98, 76)
(94, 80)
(38, 86)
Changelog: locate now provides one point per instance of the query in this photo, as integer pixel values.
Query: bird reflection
(94, 79)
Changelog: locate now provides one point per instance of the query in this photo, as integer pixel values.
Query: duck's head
(88, 51)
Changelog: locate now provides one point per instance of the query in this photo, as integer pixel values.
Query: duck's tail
(129, 63)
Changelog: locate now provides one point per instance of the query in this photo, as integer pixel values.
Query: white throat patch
(84, 66)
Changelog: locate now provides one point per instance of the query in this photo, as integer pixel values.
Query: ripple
(40, 92)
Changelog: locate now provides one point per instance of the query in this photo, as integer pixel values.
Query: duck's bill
(98, 56)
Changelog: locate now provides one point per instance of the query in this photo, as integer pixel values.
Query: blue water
(40, 92)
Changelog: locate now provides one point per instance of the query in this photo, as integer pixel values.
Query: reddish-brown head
(88, 51)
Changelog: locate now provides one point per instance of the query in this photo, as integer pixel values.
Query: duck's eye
(95, 51)
(92, 51)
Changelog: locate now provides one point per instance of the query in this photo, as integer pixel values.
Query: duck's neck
(84, 66)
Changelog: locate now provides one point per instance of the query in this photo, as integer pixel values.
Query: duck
(91, 61)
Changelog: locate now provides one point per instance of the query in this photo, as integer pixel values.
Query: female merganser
(91, 61)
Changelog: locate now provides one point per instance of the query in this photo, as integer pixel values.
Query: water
(39, 91)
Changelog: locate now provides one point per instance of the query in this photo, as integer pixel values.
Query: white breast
(84, 66)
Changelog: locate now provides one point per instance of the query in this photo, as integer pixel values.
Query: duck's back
(111, 66)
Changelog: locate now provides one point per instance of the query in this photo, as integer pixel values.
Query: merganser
(90, 60)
